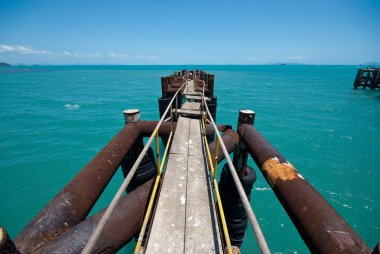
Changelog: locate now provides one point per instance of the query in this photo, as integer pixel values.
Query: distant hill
(4, 64)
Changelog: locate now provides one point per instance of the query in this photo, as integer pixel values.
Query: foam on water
(72, 106)
(54, 119)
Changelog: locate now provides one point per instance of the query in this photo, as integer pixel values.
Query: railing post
(216, 156)
(240, 154)
(171, 116)
(157, 152)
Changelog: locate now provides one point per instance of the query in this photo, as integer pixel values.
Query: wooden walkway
(189, 89)
(185, 218)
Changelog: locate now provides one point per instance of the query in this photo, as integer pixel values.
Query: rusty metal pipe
(320, 226)
(73, 203)
(230, 139)
(125, 222)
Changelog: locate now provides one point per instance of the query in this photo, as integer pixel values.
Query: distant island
(4, 64)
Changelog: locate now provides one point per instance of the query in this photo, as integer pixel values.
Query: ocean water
(54, 119)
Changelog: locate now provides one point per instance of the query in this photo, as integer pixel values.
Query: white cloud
(87, 55)
(24, 50)
(66, 55)
(298, 58)
(146, 57)
(118, 55)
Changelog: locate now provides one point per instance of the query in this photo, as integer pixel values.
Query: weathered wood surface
(186, 93)
(190, 87)
(191, 106)
(185, 112)
(185, 221)
(168, 229)
(196, 98)
(180, 143)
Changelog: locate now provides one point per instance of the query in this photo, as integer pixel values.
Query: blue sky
(189, 32)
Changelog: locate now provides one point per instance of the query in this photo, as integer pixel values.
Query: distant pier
(368, 77)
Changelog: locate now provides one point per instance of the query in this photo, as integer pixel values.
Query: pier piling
(369, 77)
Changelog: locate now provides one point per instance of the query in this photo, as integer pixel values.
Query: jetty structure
(170, 200)
(367, 77)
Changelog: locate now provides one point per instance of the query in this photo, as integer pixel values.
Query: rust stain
(276, 170)
(342, 239)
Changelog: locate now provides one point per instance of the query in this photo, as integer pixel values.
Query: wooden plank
(181, 137)
(168, 228)
(195, 138)
(191, 106)
(191, 93)
(201, 226)
(196, 98)
(185, 112)
(190, 86)
(185, 219)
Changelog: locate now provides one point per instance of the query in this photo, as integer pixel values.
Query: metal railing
(213, 166)
(103, 221)
(247, 206)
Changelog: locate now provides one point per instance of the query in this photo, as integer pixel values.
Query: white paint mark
(196, 224)
(300, 176)
(183, 200)
(190, 218)
(156, 246)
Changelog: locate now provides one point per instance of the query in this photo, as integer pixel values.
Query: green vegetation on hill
(4, 64)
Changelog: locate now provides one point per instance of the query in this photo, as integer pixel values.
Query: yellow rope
(157, 150)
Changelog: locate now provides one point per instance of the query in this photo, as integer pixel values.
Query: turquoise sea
(54, 119)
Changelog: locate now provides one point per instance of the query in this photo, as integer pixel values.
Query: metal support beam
(124, 223)
(320, 226)
(73, 203)
(230, 139)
